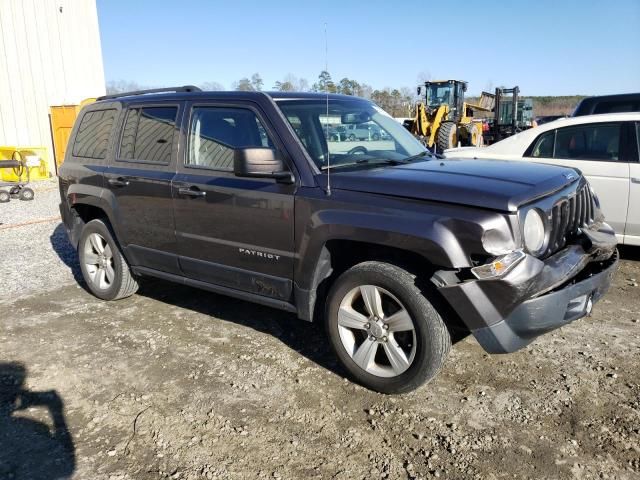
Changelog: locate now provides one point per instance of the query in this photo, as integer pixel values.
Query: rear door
(231, 231)
(140, 181)
(595, 149)
(632, 232)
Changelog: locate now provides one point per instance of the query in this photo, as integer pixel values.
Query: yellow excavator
(444, 119)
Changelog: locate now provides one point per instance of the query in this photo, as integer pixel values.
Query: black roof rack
(185, 88)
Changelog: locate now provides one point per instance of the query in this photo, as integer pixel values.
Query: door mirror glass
(259, 162)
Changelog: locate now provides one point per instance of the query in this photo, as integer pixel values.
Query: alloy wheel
(377, 331)
(98, 261)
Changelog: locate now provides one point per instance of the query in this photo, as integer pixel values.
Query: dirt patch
(179, 383)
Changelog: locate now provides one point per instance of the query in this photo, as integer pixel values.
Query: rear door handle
(635, 180)
(192, 192)
(118, 182)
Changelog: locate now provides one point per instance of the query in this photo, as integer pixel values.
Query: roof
(588, 105)
(232, 95)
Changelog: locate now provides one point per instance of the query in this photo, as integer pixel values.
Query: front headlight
(534, 232)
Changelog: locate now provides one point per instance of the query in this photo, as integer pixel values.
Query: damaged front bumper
(536, 296)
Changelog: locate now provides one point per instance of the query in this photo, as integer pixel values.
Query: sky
(546, 47)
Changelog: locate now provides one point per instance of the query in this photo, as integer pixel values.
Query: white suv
(605, 148)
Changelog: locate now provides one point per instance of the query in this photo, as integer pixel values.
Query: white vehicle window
(543, 147)
(589, 142)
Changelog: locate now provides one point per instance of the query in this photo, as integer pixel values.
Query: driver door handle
(192, 192)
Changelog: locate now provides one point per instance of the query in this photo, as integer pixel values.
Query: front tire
(447, 136)
(384, 331)
(103, 266)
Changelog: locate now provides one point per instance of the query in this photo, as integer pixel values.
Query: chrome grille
(568, 215)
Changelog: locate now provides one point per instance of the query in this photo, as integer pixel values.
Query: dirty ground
(179, 383)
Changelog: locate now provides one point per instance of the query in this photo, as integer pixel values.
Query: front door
(140, 181)
(231, 231)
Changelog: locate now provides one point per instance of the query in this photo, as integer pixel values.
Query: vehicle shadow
(306, 338)
(31, 449)
(628, 252)
(66, 252)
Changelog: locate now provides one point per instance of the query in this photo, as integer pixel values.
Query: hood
(494, 184)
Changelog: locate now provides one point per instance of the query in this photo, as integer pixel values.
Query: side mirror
(260, 162)
(419, 90)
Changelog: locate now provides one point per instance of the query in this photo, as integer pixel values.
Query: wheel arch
(86, 203)
(337, 255)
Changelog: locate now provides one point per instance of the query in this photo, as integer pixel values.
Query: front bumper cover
(536, 296)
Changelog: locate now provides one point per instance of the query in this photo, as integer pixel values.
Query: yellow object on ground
(35, 158)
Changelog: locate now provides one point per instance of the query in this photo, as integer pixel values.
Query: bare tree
(423, 76)
(488, 87)
(284, 86)
(256, 81)
(119, 86)
(211, 86)
(303, 85)
(291, 83)
(243, 85)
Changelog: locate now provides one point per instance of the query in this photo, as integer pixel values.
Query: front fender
(447, 236)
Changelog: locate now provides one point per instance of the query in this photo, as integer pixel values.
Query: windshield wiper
(374, 161)
(419, 155)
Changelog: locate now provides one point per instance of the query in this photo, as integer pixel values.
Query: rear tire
(474, 136)
(4, 196)
(392, 341)
(104, 268)
(447, 136)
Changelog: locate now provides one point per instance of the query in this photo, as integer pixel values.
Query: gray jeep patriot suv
(240, 193)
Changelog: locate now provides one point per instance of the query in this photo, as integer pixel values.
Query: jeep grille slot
(567, 216)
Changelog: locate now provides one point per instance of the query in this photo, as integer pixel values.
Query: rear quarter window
(94, 131)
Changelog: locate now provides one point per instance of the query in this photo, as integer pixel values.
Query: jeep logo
(256, 253)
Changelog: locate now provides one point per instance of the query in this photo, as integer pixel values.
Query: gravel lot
(179, 383)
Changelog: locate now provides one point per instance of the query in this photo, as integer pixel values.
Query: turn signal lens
(499, 266)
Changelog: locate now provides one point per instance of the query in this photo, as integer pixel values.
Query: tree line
(396, 101)
(399, 102)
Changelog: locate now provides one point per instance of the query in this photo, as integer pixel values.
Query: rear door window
(148, 134)
(589, 142)
(92, 138)
(215, 132)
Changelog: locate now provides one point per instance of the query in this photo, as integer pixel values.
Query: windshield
(439, 94)
(355, 133)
